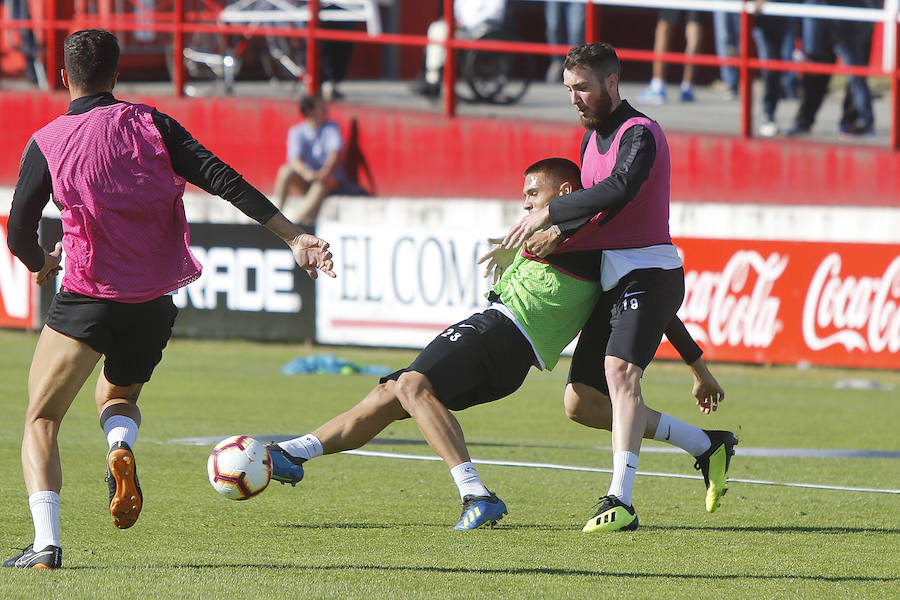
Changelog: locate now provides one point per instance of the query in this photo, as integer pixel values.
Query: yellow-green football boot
(714, 464)
(612, 515)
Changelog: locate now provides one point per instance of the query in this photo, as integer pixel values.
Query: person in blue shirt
(313, 164)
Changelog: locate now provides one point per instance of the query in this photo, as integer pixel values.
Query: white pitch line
(533, 465)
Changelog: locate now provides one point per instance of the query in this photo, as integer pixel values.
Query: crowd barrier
(52, 20)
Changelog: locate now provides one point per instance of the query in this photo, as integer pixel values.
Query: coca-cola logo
(736, 304)
(860, 313)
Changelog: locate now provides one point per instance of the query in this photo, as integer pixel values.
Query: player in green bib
(549, 306)
(535, 311)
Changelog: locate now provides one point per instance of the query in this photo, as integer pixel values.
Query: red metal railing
(59, 17)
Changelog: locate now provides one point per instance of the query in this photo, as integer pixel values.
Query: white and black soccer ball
(239, 467)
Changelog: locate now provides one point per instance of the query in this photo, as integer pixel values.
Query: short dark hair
(308, 103)
(560, 170)
(599, 57)
(91, 58)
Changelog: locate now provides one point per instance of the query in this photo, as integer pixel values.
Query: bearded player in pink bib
(117, 172)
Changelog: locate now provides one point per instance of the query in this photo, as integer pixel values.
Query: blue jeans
(574, 26)
(824, 41)
(769, 34)
(727, 27)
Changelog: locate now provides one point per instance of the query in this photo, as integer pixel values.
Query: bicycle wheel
(208, 57)
(497, 77)
(286, 58)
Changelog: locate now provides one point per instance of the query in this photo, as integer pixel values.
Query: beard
(597, 112)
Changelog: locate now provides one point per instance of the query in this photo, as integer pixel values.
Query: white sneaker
(769, 128)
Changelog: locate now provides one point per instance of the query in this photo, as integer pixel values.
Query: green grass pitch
(365, 527)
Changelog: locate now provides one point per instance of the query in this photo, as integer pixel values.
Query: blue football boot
(285, 468)
(478, 510)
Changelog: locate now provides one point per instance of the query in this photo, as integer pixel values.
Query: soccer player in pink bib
(117, 172)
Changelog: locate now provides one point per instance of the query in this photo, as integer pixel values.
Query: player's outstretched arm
(309, 251)
(498, 259)
(706, 390)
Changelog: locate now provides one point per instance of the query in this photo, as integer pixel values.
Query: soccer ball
(239, 467)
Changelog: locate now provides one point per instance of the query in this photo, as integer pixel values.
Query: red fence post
(178, 49)
(52, 63)
(449, 61)
(590, 23)
(312, 49)
(895, 88)
(745, 79)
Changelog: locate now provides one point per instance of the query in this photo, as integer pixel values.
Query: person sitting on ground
(313, 165)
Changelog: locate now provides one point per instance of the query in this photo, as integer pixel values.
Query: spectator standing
(824, 41)
(655, 92)
(335, 62)
(564, 25)
(727, 29)
(769, 33)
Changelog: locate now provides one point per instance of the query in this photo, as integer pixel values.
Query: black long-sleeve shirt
(635, 158)
(190, 159)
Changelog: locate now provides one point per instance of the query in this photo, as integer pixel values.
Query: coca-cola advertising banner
(792, 302)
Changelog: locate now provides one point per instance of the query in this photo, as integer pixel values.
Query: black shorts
(130, 336)
(672, 16)
(475, 361)
(628, 322)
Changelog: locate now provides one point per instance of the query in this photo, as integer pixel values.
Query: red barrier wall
(410, 153)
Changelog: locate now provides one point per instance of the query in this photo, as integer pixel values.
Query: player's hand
(51, 265)
(706, 390)
(542, 243)
(536, 219)
(312, 253)
(498, 258)
(708, 393)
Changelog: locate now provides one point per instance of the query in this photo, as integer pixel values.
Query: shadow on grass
(545, 527)
(532, 571)
(777, 529)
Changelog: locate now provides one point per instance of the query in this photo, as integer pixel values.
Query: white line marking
(508, 463)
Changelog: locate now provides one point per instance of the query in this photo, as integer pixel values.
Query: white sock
(685, 85)
(656, 84)
(624, 470)
(467, 480)
(689, 438)
(306, 446)
(119, 428)
(45, 515)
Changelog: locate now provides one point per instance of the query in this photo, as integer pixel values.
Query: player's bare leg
(440, 428)
(444, 434)
(347, 431)
(59, 369)
(588, 406)
(357, 426)
(615, 512)
(629, 410)
(120, 418)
